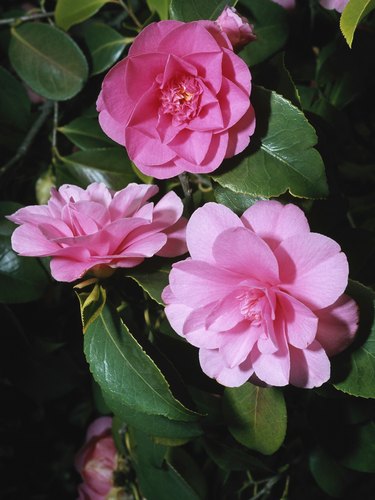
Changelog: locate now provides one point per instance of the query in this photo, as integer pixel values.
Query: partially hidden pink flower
(338, 5)
(98, 230)
(261, 296)
(180, 100)
(96, 461)
(236, 27)
(287, 4)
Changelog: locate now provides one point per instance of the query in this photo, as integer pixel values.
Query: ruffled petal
(213, 365)
(309, 367)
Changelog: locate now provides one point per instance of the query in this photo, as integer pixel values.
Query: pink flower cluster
(261, 296)
(97, 230)
(180, 100)
(96, 461)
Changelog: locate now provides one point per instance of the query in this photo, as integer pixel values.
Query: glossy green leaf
(360, 455)
(126, 374)
(70, 12)
(91, 305)
(270, 26)
(195, 10)
(153, 277)
(86, 133)
(159, 6)
(108, 165)
(256, 416)
(353, 371)
(14, 102)
(105, 45)
(281, 156)
(22, 279)
(48, 60)
(332, 477)
(352, 15)
(235, 201)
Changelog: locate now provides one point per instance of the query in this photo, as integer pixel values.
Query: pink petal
(195, 331)
(236, 70)
(99, 193)
(147, 67)
(239, 343)
(309, 367)
(99, 426)
(149, 38)
(213, 365)
(111, 127)
(275, 222)
(187, 39)
(239, 135)
(145, 122)
(146, 247)
(29, 241)
(234, 102)
(209, 66)
(337, 325)
(312, 269)
(192, 146)
(173, 66)
(126, 202)
(205, 225)
(176, 243)
(146, 150)
(300, 322)
(209, 119)
(241, 251)
(226, 314)
(72, 264)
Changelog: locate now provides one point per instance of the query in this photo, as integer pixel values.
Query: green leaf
(353, 371)
(48, 60)
(108, 165)
(256, 416)
(271, 29)
(195, 10)
(126, 374)
(70, 12)
(331, 477)
(352, 15)
(153, 277)
(14, 103)
(105, 45)
(22, 279)
(86, 133)
(281, 155)
(235, 201)
(91, 305)
(159, 6)
(360, 455)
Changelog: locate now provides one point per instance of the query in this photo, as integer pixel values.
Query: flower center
(180, 98)
(251, 305)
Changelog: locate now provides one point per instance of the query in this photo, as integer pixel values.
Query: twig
(131, 14)
(54, 126)
(30, 136)
(184, 180)
(29, 17)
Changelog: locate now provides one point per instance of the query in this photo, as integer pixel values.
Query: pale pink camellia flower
(338, 5)
(287, 4)
(96, 461)
(261, 296)
(236, 27)
(180, 100)
(98, 230)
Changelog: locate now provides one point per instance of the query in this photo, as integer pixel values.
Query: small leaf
(108, 165)
(281, 155)
(92, 304)
(271, 29)
(153, 277)
(159, 6)
(235, 201)
(105, 45)
(352, 15)
(195, 10)
(354, 370)
(126, 374)
(22, 279)
(361, 455)
(70, 12)
(14, 103)
(256, 416)
(48, 60)
(86, 133)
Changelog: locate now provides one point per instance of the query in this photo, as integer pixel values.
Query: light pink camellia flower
(287, 4)
(179, 101)
(96, 461)
(338, 5)
(236, 27)
(261, 296)
(97, 230)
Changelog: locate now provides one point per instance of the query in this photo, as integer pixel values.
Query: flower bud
(236, 27)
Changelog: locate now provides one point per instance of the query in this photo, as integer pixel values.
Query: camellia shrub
(187, 237)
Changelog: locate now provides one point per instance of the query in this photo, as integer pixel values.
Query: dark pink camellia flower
(338, 5)
(179, 101)
(96, 461)
(261, 296)
(236, 27)
(98, 230)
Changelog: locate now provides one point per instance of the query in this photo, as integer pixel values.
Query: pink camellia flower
(180, 100)
(97, 230)
(338, 5)
(236, 27)
(261, 296)
(287, 4)
(96, 461)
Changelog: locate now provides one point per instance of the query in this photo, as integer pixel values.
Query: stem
(184, 180)
(55, 124)
(27, 17)
(130, 13)
(30, 136)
